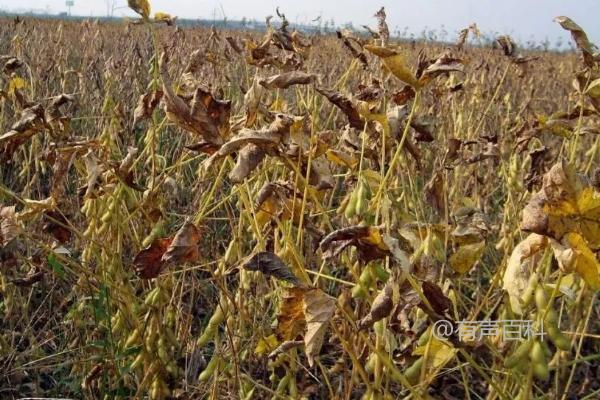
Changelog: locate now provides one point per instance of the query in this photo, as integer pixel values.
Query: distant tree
(545, 44)
(559, 43)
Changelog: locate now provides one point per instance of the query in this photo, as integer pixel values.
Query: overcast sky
(523, 19)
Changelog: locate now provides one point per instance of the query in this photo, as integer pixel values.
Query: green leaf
(56, 266)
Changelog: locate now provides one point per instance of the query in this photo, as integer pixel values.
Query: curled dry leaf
(254, 145)
(308, 312)
(368, 240)
(61, 160)
(11, 65)
(401, 257)
(248, 160)
(444, 64)
(300, 41)
(233, 44)
(469, 235)
(382, 306)
(9, 228)
(436, 298)
(204, 115)
(57, 226)
(271, 265)
(34, 208)
(287, 79)
(94, 170)
(434, 192)
(382, 27)
(203, 147)
(354, 46)
(341, 158)
(404, 95)
(184, 247)
(580, 37)
(146, 106)
(318, 311)
(345, 104)
(521, 264)
(281, 200)
(439, 353)
(148, 263)
(252, 101)
(462, 38)
(321, 175)
(472, 226)
(54, 115)
(31, 121)
(425, 127)
(537, 169)
(124, 170)
(507, 45)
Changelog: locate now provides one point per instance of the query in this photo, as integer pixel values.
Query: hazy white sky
(523, 19)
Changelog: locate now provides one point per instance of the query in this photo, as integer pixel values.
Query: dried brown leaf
(382, 306)
(345, 104)
(148, 263)
(287, 79)
(184, 247)
(318, 311)
(271, 265)
(9, 228)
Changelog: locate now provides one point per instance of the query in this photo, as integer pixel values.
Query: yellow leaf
(374, 237)
(340, 158)
(267, 210)
(433, 245)
(584, 261)
(559, 127)
(34, 208)
(466, 256)
(593, 90)
(373, 178)
(164, 17)
(439, 354)
(305, 311)
(16, 83)
(279, 105)
(266, 345)
(290, 321)
(564, 204)
(364, 109)
(395, 63)
(141, 7)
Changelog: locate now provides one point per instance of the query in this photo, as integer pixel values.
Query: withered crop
(202, 213)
